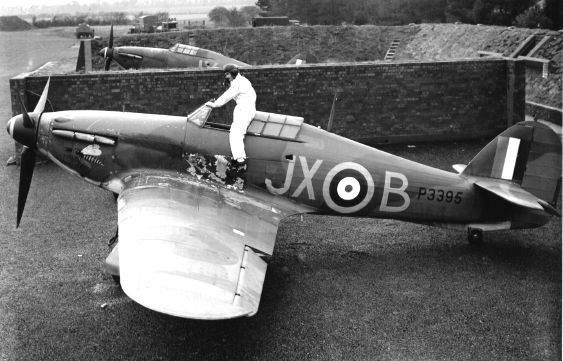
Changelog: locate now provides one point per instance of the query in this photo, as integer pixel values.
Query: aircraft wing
(192, 249)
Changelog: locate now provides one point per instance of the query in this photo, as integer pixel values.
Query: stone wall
(376, 102)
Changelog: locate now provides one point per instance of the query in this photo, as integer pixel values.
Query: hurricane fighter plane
(194, 229)
(178, 56)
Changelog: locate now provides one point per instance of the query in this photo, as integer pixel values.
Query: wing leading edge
(191, 250)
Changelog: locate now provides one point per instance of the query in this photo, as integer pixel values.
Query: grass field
(336, 288)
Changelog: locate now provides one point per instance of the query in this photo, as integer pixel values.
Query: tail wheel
(475, 236)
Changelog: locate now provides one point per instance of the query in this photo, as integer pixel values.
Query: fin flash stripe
(510, 160)
(505, 159)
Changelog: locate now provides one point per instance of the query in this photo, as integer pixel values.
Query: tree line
(233, 17)
(103, 18)
(117, 18)
(547, 14)
(524, 13)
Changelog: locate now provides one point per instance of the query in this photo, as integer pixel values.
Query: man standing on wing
(243, 93)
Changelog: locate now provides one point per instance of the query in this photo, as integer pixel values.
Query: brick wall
(376, 102)
(420, 42)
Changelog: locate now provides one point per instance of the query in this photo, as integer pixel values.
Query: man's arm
(227, 96)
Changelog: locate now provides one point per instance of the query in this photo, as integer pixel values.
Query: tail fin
(528, 154)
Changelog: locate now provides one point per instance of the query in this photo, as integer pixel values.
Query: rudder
(528, 154)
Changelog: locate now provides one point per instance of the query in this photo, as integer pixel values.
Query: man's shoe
(238, 162)
(12, 160)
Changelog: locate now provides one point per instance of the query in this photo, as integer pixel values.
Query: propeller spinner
(23, 128)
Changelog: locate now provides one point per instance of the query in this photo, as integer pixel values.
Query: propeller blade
(109, 50)
(26, 173)
(27, 122)
(28, 155)
(108, 63)
(111, 36)
(41, 103)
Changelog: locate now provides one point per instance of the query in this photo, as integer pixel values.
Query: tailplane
(527, 154)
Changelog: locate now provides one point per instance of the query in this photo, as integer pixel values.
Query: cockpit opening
(264, 124)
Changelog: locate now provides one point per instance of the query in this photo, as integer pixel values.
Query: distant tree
(459, 10)
(120, 18)
(236, 18)
(433, 11)
(499, 12)
(219, 16)
(325, 12)
(363, 12)
(360, 19)
(482, 11)
(249, 12)
(397, 12)
(554, 10)
(264, 5)
(534, 17)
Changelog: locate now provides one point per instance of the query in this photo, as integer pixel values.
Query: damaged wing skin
(193, 249)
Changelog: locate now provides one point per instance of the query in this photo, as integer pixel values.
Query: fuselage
(329, 173)
(136, 57)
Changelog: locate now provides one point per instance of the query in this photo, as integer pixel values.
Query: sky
(26, 7)
(47, 3)
(28, 3)
(41, 2)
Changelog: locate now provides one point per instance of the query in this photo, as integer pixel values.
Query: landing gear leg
(112, 243)
(113, 240)
(475, 236)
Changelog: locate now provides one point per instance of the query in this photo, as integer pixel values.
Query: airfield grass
(336, 288)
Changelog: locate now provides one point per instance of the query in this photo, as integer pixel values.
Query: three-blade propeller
(27, 135)
(107, 53)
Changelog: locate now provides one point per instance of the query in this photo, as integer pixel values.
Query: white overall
(242, 92)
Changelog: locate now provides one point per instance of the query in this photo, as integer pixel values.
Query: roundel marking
(348, 187)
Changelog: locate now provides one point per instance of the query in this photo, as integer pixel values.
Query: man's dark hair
(231, 69)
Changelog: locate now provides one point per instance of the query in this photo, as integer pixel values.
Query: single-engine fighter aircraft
(178, 56)
(194, 229)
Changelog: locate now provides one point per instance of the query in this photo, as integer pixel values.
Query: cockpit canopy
(184, 49)
(264, 124)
